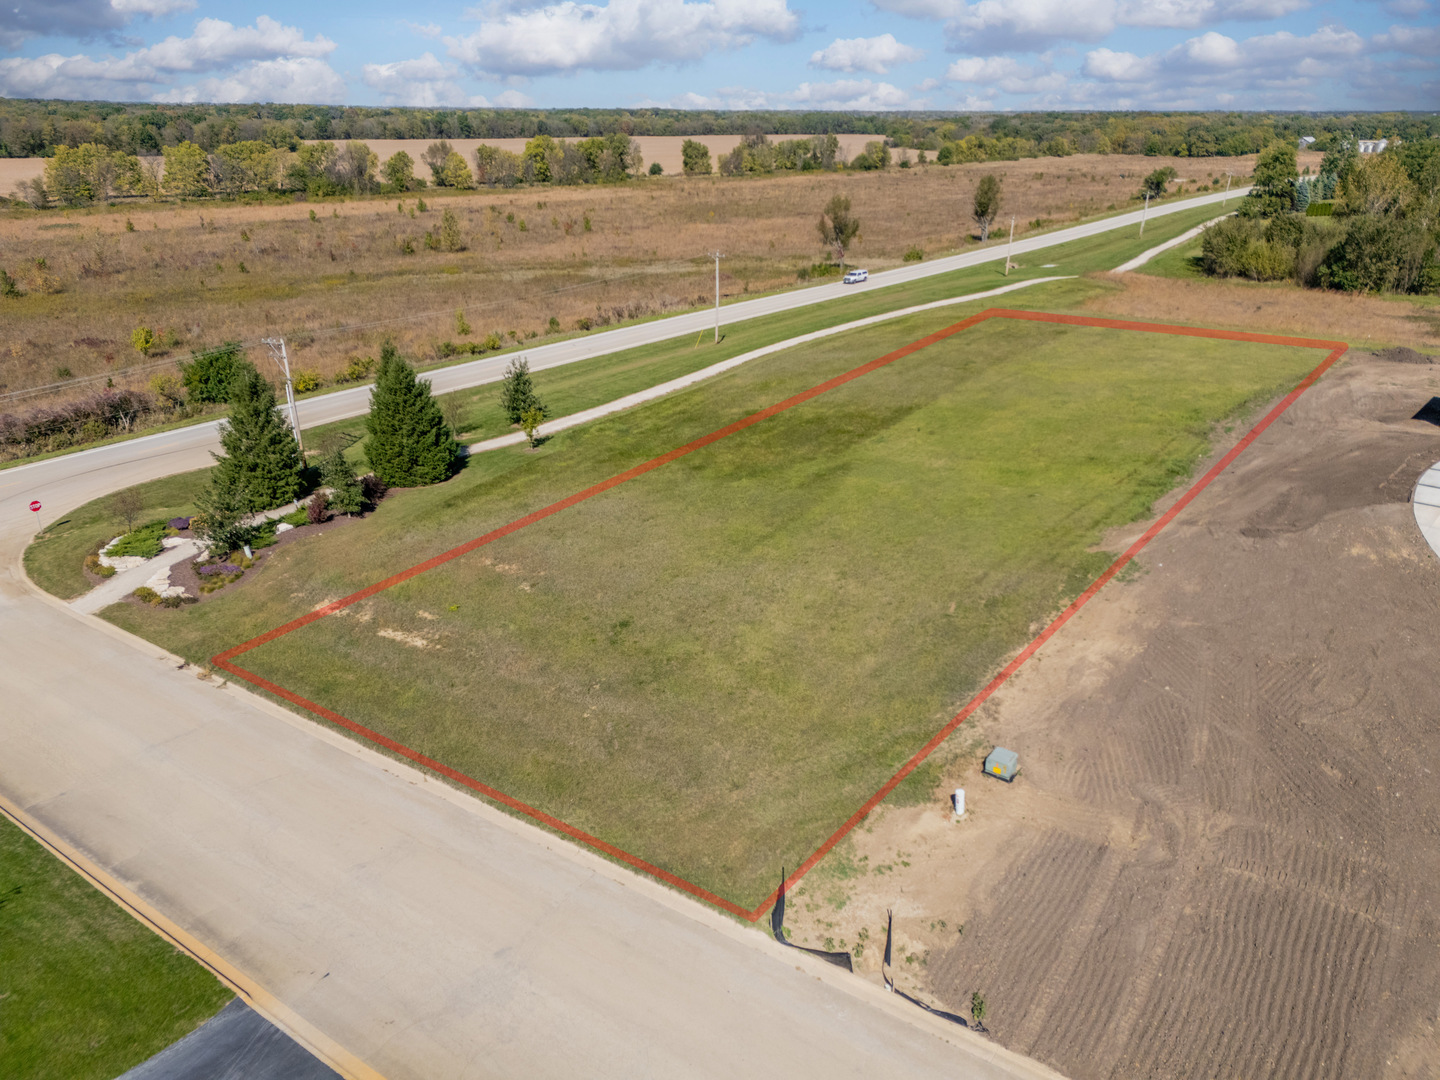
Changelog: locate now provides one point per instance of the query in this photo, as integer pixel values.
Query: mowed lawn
(86, 991)
(715, 664)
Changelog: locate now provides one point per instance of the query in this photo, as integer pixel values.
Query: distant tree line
(37, 128)
(1365, 223)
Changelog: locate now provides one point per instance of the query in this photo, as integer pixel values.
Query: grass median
(86, 991)
(713, 665)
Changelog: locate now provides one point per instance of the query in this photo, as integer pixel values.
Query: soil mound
(1403, 355)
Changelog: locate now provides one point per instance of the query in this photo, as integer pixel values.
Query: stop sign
(35, 505)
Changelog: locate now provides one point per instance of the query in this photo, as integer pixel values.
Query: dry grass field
(339, 283)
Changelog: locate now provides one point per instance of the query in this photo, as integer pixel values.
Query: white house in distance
(1373, 146)
(1306, 141)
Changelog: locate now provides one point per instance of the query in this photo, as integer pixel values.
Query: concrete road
(392, 925)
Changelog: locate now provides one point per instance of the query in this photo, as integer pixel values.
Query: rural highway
(392, 925)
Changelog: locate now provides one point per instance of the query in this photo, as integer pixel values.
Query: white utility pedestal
(959, 802)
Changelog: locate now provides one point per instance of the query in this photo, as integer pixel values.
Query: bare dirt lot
(1221, 858)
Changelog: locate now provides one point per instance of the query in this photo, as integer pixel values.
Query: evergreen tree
(224, 504)
(1272, 190)
(346, 496)
(410, 443)
(517, 392)
(261, 454)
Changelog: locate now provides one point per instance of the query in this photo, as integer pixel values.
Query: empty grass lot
(714, 664)
(86, 991)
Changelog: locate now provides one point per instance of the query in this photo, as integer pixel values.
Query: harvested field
(1218, 856)
(206, 272)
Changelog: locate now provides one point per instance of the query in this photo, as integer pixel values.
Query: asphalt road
(391, 925)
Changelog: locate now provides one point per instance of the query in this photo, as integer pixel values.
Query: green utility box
(1003, 763)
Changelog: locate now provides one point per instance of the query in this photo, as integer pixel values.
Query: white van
(854, 277)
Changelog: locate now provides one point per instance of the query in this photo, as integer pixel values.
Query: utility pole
(717, 256)
(1227, 190)
(1144, 212)
(282, 361)
(1011, 246)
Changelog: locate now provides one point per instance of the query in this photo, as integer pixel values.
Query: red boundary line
(223, 660)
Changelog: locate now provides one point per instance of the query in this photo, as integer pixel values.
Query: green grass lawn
(86, 991)
(713, 665)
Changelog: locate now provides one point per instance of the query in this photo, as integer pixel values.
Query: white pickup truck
(854, 277)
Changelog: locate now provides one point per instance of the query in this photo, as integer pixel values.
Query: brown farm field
(338, 284)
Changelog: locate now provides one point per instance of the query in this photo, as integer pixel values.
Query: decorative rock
(173, 541)
(284, 526)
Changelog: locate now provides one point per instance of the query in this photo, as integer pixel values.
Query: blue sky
(762, 54)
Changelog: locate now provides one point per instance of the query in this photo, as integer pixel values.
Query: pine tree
(346, 496)
(261, 454)
(517, 392)
(224, 504)
(410, 443)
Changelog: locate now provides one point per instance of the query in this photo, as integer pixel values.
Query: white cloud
(1006, 74)
(266, 62)
(217, 43)
(153, 8)
(424, 81)
(863, 95)
(56, 76)
(1420, 40)
(1189, 14)
(1112, 66)
(289, 79)
(619, 36)
(1001, 25)
(425, 30)
(877, 54)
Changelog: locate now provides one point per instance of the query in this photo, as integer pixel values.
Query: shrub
(143, 340)
(146, 595)
(356, 369)
(318, 508)
(144, 542)
(96, 567)
(449, 238)
(1155, 184)
(306, 380)
(373, 488)
(517, 392)
(913, 254)
(336, 474)
(208, 376)
(656, 169)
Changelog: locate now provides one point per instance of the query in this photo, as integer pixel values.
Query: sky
(734, 54)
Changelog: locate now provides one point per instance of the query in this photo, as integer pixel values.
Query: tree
(530, 421)
(986, 207)
(1155, 184)
(1377, 184)
(1272, 189)
(977, 1009)
(449, 238)
(399, 170)
(656, 169)
(435, 155)
(837, 227)
(455, 173)
(517, 392)
(127, 505)
(223, 507)
(410, 443)
(187, 171)
(346, 495)
(143, 339)
(695, 158)
(261, 455)
(208, 376)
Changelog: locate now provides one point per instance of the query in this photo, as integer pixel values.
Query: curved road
(394, 926)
